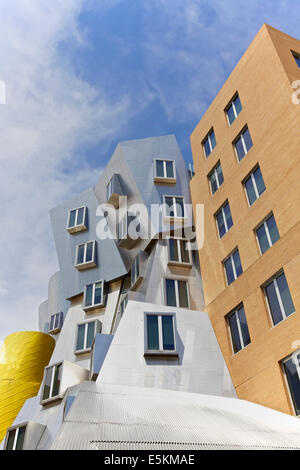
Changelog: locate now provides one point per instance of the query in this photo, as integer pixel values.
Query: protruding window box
(77, 220)
(24, 436)
(58, 378)
(94, 296)
(138, 270)
(86, 255)
(164, 171)
(125, 238)
(100, 348)
(86, 333)
(56, 323)
(179, 253)
(114, 190)
(160, 334)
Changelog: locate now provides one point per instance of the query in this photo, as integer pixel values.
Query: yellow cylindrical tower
(23, 356)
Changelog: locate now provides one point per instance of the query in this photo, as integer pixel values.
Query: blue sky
(82, 75)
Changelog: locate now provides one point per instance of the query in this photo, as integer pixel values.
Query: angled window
(77, 220)
(173, 207)
(254, 185)
(94, 295)
(176, 293)
(109, 190)
(297, 58)
(278, 298)
(56, 322)
(233, 267)
(291, 367)
(85, 336)
(164, 171)
(86, 255)
(233, 109)
(224, 219)
(238, 327)
(51, 383)
(160, 333)
(114, 190)
(243, 144)
(179, 252)
(209, 143)
(267, 233)
(15, 438)
(216, 178)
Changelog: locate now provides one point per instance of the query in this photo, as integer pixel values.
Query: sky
(82, 75)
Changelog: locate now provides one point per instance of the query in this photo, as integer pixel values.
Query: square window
(94, 295)
(164, 171)
(56, 322)
(77, 220)
(86, 333)
(179, 252)
(209, 143)
(174, 207)
(176, 293)
(278, 298)
(86, 255)
(239, 331)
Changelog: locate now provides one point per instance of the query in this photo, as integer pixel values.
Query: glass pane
(237, 263)
(98, 293)
(72, 218)
(206, 147)
(274, 234)
(183, 294)
(250, 191)
(259, 181)
(173, 247)
(80, 337)
(170, 169)
(185, 254)
(220, 222)
(213, 183)
(10, 440)
(80, 254)
(239, 149)
(170, 292)
(51, 322)
(89, 252)
(89, 295)
(247, 139)
(152, 333)
(228, 216)
(235, 336)
(285, 295)
(160, 168)
(294, 383)
(238, 105)
(168, 333)
(244, 326)
(169, 206)
(273, 303)
(229, 271)
(212, 140)
(56, 382)
(80, 216)
(179, 207)
(90, 334)
(230, 114)
(220, 174)
(47, 383)
(263, 239)
(20, 440)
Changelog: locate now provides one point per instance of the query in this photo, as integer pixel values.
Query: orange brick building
(246, 152)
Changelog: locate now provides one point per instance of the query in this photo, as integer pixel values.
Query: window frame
(15, 428)
(97, 329)
(238, 137)
(165, 178)
(86, 264)
(296, 56)
(282, 362)
(214, 171)
(230, 314)
(207, 138)
(251, 175)
(230, 256)
(93, 305)
(56, 327)
(264, 223)
(279, 299)
(160, 351)
(176, 279)
(174, 217)
(50, 399)
(179, 262)
(77, 227)
(231, 103)
(221, 210)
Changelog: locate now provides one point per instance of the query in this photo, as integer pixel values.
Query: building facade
(247, 169)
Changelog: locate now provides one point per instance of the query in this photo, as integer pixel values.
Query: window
(94, 295)
(135, 271)
(160, 333)
(129, 229)
(179, 251)
(216, 178)
(114, 190)
(174, 207)
(297, 58)
(224, 219)
(243, 144)
(86, 255)
(267, 234)
(85, 336)
(56, 322)
(15, 438)
(121, 309)
(164, 171)
(52, 379)
(233, 109)
(209, 143)
(291, 367)
(279, 298)
(77, 220)
(239, 332)
(233, 267)
(176, 292)
(109, 189)
(254, 185)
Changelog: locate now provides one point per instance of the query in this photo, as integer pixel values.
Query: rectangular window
(15, 438)
(127, 230)
(52, 380)
(94, 295)
(135, 271)
(209, 143)
(56, 322)
(267, 234)
(86, 255)
(239, 332)
(109, 189)
(164, 171)
(179, 252)
(174, 207)
(279, 298)
(160, 333)
(216, 178)
(291, 367)
(77, 220)
(254, 185)
(224, 219)
(297, 58)
(176, 293)
(233, 267)
(243, 144)
(85, 336)
(233, 109)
